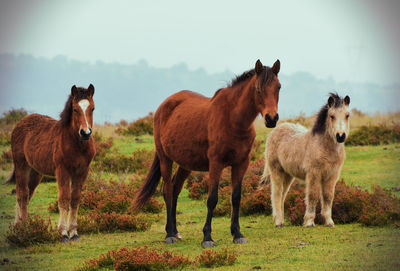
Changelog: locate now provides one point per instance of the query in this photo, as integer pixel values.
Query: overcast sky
(347, 40)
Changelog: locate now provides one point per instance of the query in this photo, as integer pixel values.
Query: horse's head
(338, 117)
(82, 110)
(267, 92)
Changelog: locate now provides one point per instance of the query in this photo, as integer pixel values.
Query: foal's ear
(91, 90)
(276, 67)
(259, 67)
(74, 91)
(346, 100)
(331, 101)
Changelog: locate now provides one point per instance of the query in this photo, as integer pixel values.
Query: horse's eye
(332, 117)
(347, 116)
(75, 110)
(92, 109)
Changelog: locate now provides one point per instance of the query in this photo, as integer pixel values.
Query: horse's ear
(91, 90)
(331, 101)
(276, 67)
(259, 67)
(346, 100)
(74, 91)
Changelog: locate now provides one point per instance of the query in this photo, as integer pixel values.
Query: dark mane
(320, 122)
(265, 78)
(66, 114)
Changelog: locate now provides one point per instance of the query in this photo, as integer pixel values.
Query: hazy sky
(345, 39)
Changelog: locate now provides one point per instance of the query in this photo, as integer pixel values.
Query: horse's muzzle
(271, 122)
(85, 135)
(340, 138)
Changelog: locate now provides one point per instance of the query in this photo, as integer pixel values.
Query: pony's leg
(166, 171)
(313, 191)
(277, 199)
(178, 181)
(64, 199)
(286, 183)
(328, 193)
(238, 172)
(34, 180)
(76, 192)
(22, 189)
(215, 174)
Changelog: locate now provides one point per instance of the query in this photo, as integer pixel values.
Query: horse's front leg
(77, 184)
(64, 199)
(215, 174)
(328, 192)
(238, 172)
(313, 191)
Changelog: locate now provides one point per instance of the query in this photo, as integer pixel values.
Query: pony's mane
(320, 123)
(266, 77)
(66, 114)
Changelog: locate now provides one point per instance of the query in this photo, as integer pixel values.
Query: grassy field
(345, 247)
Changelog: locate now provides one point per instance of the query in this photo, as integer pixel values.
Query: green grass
(345, 247)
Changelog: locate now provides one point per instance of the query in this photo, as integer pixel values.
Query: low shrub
(6, 159)
(139, 127)
(374, 135)
(111, 222)
(140, 258)
(214, 258)
(5, 138)
(103, 145)
(35, 230)
(13, 116)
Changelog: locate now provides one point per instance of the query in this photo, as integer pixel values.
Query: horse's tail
(11, 178)
(266, 177)
(150, 185)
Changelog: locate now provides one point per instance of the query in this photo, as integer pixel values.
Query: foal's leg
(313, 191)
(76, 184)
(64, 199)
(166, 171)
(278, 179)
(215, 174)
(178, 181)
(22, 188)
(328, 192)
(238, 172)
(287, 182)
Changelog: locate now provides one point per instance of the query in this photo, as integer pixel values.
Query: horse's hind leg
(34, 180)
(168, 189)
(22, 188)
(178, 181)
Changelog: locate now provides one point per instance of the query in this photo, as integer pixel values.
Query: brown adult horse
(44, 146)
(204, 134)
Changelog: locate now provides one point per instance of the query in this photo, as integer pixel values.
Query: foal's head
(78, 112)
(267, 92)
(333, 118)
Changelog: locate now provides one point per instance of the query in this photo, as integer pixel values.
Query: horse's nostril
(340, 138)
(82, 132)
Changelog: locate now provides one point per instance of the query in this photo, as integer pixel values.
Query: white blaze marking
(84, 105)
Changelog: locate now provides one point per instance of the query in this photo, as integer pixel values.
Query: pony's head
(333, 118)
(267, 92)
(78, 112)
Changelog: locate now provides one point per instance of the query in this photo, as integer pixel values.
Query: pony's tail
(266, 177)
(150, 185)
(11, 178)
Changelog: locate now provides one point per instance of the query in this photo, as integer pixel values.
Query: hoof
(170, 240)
(206, 244)
(330, 225)
(178, 236)
(311, 225)
(65, 239)
(280, 225)
(240, 240)
(75, 238)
